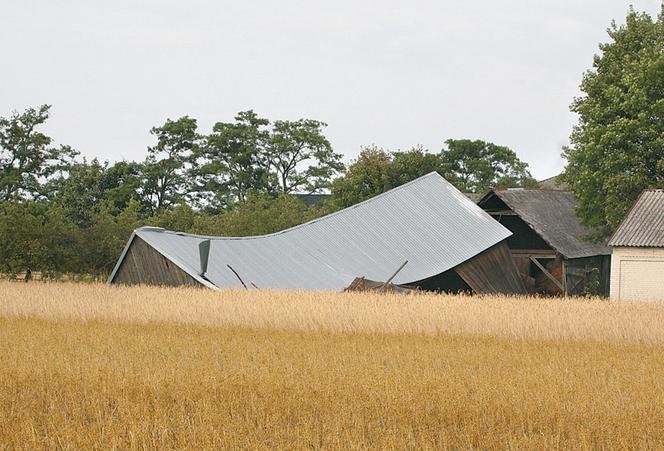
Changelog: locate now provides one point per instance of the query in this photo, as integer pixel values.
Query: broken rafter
(548, 274)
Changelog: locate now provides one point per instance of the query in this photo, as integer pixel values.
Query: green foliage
(234, 161)
(27, 158)
(407, 166)
(478, 166)
(167, 164)
(617, 148)
(301, 156)
(472, 166)
(263, 214)
(107, 236)
(250, 156)
(593, 283)
(38, 236)
(368, 176)
(88, 185)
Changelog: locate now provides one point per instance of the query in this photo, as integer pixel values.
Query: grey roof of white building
(644, 224)
(427, 222)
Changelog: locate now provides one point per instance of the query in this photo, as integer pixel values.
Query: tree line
(61, 213)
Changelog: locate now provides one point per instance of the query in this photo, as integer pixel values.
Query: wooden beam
(529, 255)
(387, 283)
(541, 253)
(548, 274)
(502, 213)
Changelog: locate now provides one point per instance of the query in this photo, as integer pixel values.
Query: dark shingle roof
(552, 214)
(644, 224)
(554, 183)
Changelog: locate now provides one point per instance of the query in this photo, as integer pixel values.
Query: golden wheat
(500, 316)
(90, 366)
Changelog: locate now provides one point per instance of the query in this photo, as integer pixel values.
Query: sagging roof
(644, 224)
(552, 214)
(427, 222)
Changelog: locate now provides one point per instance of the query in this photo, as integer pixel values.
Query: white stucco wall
(637, 273)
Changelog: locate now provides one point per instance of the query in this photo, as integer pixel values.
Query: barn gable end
(143, 265)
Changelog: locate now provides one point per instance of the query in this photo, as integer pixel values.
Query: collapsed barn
(450, 244)
(548, 243)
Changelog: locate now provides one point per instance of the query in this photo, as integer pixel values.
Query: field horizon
(93, 366)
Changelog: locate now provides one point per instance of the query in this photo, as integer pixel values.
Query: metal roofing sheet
(552, 214)
(644, 224)
(427, 222)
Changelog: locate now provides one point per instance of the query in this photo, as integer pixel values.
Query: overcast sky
(391, 73)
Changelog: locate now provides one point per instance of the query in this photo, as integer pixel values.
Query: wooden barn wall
(144, 265)
(492, 271)
(589, 275)
(534, 279)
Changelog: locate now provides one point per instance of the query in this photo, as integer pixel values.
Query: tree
(167, 164)
(263, 214)
(366, 177)
(617, 147)
(478, 166)
(108, 234)
(88, 185)
(469, 165)
(39, 237)
(301, 157)
(407, 166)
(377, 170)
(122, 183)
(234, 161)
(27, 158)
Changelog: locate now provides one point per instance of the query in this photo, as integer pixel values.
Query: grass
(90, 366)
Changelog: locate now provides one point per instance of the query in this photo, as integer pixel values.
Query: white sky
(392, 73)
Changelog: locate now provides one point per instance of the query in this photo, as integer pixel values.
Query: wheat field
(98, 367)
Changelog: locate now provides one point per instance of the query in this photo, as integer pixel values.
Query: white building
(637, 262)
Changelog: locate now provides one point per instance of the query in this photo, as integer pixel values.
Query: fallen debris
(363, 284)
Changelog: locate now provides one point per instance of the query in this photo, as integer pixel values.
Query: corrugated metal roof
(644, 224)
(552, 214)
(427, 222)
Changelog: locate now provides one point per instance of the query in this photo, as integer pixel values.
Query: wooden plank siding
(492, 271)
(143, 265)
(588, 275)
